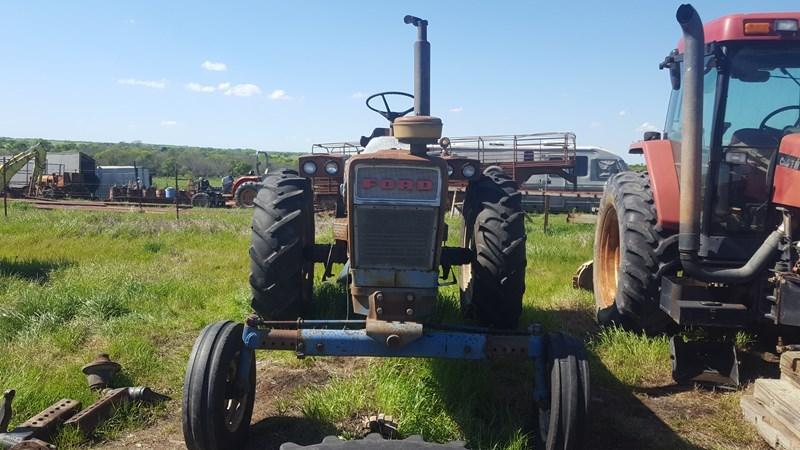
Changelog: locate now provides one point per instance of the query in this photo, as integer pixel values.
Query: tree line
(161, 160)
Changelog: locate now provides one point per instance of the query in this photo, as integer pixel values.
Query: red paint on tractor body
(660, 162)
(731, 28)
(786, 185)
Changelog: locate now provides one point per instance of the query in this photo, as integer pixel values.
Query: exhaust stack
(422, 67)
(691, 160)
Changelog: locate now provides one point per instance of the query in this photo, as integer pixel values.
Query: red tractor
(706, 238)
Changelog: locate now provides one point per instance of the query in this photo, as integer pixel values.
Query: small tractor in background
(389, 234)
(243, 190)
(707, 237)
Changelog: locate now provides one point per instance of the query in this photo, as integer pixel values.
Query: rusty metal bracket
(34, 432)
(394, 334)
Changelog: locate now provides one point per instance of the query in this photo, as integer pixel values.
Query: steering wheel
(763, 125)
(388, 113)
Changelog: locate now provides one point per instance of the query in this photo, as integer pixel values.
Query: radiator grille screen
(394, 237)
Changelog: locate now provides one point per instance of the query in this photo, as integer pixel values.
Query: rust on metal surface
(281, 339)
(33, 444)
(90, 418)
(583, 278)
(394, 334)
(46, 422)
(100, 371)
(400, 304)
(340, 229)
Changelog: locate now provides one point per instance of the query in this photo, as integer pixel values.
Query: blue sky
(279, 75)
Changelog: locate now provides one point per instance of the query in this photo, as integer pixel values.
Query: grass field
(140, 287)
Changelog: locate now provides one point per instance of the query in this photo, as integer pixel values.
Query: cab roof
(732, 28)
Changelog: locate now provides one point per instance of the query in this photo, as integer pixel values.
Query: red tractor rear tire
(281, 272)
(631, 253)
(246, 194)
(494, 230)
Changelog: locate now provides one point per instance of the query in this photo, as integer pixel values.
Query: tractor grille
(395, 237)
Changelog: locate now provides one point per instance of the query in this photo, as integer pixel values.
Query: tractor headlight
(449, 170)
(309, 167)
(331, 168)
(786, 25)
(468, 170)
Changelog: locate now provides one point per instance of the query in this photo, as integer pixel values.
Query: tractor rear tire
(201, 200)
(281, 271)
(216, 413)
(492, 285)
(375, 441)
(630, 254)
(562, 419)
(246, 194)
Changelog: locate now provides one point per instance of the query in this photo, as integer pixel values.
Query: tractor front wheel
(492, 285)
(561, 420)
(630, 254)
(281, 271)
(216, 409)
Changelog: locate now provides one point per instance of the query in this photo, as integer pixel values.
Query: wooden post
(5, 188)
(177, 192)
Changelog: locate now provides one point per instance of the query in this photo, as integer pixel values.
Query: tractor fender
(659, 157)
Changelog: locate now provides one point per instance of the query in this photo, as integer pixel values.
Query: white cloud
(359, 94)
(243, 90)
(224, 86)
(457, 109)
(155, 84)
(646, 126)
(214, 66)
(197, 87)
(279, 94)
(168, 123)
(622, 113)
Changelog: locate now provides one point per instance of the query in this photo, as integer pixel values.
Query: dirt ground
(661, 417)
(274, 420)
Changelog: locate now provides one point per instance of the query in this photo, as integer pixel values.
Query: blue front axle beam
(385, 343)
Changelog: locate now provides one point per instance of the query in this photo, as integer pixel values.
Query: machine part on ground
(37, 153)
(100, 372)
(493, 284)
(217, 407)
(389, 234)
(583, 278)
(374, 441)
(246, 193)
(283, 230)
(631, 254)
(382, 424)
(35, 432)
(110, 400)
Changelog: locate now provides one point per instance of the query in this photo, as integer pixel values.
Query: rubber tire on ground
(282, 235)
(213, 363)
(562, 421)
(241, 194)
(374, 441)
(633, 277)
(494, 229)
(201, 200)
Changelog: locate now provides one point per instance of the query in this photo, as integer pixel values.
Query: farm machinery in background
(389, 233)
(38, 154)
(707, 238)
(240, 191)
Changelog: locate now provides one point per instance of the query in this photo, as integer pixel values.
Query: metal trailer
(109, 176)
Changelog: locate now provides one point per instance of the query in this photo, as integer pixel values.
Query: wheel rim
(247, 197)
(235, 402)
(465, 280)
(607, 265)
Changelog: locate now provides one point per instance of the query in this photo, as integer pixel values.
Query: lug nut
(379, 310)
(379, 296)
(392, 341)
(409, 312)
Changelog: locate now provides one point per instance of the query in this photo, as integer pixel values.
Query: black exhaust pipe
(422, 67)
(691, 160)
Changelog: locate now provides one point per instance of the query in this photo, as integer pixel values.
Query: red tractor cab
(706, 238)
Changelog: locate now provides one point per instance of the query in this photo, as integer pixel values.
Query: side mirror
(652, 136)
